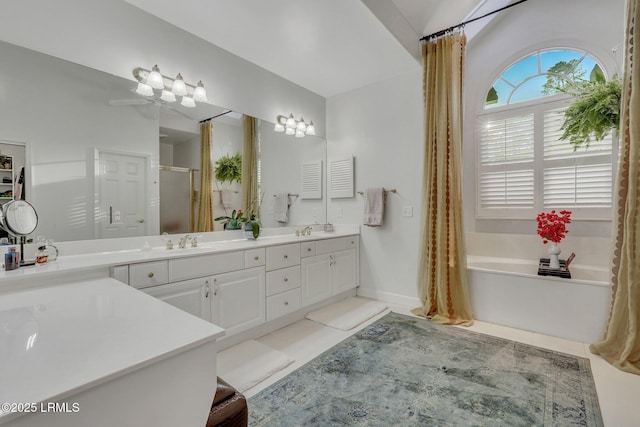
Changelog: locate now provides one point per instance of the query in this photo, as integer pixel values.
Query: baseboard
(389, 297)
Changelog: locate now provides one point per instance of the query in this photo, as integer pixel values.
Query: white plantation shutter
(524, 167)
(507, 189)
(579, 178)
(507, 140)
(587, 186)
(506, 175)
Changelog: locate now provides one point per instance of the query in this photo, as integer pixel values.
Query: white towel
(281, 207)
(373, 206)
(226, 197)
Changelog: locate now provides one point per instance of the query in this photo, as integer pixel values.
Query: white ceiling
(326, 46)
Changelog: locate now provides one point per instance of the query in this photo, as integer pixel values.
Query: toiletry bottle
(42, 255)
(8, 260)
(11, 259)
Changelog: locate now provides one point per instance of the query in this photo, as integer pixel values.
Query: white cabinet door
(191, 296)
(238, 300)
(343, 270)
(316, 279)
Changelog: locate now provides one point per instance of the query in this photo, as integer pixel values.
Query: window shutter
(506, 168)
(585, 186)
(507, 140)
(554, 148)
(512, 189)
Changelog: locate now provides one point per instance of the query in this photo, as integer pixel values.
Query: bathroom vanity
(242, 284)
(122, 336)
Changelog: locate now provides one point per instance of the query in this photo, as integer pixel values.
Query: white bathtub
(509, 292)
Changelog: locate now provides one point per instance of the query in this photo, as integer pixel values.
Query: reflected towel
(373, 206)
(226, 198)
(281, 207)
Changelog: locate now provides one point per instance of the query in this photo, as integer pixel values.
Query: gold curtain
(621, 343)
(250, 197)
(442, 269)
(205, 205)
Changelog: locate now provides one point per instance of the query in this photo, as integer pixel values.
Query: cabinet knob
(286, 303)
(256, 258)
(150, 274)
(352, 242)
(286, 256)
(286, 279)
(308, 249)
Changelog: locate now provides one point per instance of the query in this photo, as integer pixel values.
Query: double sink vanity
(83, 333)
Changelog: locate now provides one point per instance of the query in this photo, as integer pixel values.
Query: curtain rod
(462, 24)
(216, 116)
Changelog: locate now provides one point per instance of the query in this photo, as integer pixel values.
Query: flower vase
(554, 251)
(251, 230)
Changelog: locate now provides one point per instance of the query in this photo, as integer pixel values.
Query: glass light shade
(199, 94)
(299, 134)
(291, 122)
(311, 129)
(144, 90)
(154, 79)
(290, 131)
(278, 127)
(178, 87)
(301, 125)
(168, 96)
(188, 102)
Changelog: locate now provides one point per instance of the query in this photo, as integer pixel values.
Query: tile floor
(618, 392)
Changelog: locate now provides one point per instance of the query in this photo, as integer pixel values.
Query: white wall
(381, 125)
(116, 37)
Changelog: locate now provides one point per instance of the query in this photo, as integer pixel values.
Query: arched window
(541, 74)
(523, 166)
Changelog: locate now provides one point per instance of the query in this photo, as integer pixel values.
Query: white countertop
(58, 341)
(14, 280)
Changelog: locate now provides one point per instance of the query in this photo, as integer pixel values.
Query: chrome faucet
(183, 241)
(306, 231)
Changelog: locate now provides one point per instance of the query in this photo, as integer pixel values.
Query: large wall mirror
(101, 163)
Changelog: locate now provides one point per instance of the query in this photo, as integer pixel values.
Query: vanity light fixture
(291, 126)
(153, 84)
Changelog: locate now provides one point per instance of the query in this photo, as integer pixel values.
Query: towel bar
(393, 190)
(288, 194)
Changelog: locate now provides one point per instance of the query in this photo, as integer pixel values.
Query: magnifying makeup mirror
(19, 218)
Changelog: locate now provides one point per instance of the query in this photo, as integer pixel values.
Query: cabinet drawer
(254, 258)
(206, 265)
(282, 304)
(331, 245)
(148, 274)
(283, 280)
(283, 256)
(352, 241)
(308, 249)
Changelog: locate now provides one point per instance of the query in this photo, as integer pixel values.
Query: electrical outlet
(407, 211)
(339, 213)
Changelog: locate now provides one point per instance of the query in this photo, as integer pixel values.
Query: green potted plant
(251, 228)
(233, 222)
(229, 168)
(594, 113)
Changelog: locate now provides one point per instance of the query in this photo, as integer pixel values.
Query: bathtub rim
(479, 259)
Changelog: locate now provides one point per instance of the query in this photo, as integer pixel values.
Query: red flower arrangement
(552, 227)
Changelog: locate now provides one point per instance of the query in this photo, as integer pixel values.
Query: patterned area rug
(407, 371)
